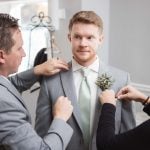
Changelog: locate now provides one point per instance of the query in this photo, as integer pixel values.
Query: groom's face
(85, 40)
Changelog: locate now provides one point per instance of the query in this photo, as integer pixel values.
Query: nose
(23, 53)
(83, 42)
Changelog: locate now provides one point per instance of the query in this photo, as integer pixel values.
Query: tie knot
(85, 71)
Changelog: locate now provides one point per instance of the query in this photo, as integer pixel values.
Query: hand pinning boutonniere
(104, 81)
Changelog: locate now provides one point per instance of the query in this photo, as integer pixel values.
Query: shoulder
(59, 75)
(120, 76)
(117, 71)
(106, 68)
(4, 87)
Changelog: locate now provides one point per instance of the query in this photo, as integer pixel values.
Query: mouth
(83, 51)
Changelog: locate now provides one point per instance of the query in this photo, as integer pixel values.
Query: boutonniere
(104, 81)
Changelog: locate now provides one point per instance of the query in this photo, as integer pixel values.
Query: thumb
(122, 96)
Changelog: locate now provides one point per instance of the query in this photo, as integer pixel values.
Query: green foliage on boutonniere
(104, 81)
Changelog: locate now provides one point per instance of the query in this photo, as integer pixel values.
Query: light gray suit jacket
(63, 84)
(15, 122)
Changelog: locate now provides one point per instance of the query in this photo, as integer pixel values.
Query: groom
(85, 36)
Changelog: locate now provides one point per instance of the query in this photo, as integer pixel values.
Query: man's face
(85, 40)
(14, 57)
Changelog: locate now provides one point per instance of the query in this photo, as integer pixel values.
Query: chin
(84, 59)
(15, 71)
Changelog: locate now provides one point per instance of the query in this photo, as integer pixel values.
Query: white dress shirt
(94, 67)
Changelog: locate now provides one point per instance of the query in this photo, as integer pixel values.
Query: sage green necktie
(84, 103)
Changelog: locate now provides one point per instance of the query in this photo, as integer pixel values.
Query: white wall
(130, 38)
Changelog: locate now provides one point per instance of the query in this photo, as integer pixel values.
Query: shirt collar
(94, 66)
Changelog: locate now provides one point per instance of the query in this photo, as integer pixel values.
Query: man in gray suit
(16, 132)
(85, 35)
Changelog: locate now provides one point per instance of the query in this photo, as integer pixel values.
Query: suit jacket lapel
(102, 69)
(69, 90)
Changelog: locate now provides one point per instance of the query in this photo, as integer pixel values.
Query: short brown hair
(7, 26)
(87, 17)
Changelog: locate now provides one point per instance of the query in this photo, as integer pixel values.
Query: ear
(69, 37)
(101, 38)
(2, 57)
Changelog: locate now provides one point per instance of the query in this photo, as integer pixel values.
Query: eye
(20, 48)
(77, 37)
(90, 37)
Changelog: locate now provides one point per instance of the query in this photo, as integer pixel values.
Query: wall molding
(142, 87)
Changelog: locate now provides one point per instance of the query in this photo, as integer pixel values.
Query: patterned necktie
(84, 103)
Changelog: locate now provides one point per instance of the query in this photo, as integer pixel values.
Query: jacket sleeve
(17, 132)
(24, 80)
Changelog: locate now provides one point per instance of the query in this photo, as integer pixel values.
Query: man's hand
(50, 67)
(62, 108)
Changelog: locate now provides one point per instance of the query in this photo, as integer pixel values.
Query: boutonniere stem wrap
(104, 81)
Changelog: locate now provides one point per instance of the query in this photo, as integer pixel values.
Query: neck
(2, 73)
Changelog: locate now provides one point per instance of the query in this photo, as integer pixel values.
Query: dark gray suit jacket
(15, 122)
(63, 84)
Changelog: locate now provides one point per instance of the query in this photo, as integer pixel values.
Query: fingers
(62, 61)
(63, 108)
(131, 93)
(51, 67)
(123, 91)
(124, 96)
(107, 93)
(55, 71)
(60, 64)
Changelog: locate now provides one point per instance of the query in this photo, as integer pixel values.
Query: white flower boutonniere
(104, 81)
